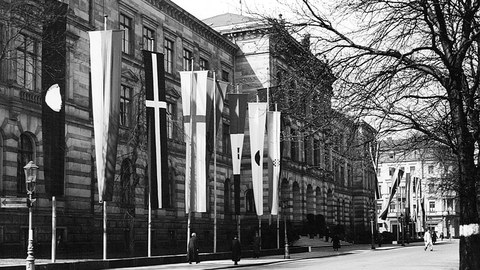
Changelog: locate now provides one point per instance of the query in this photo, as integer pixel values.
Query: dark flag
(238, 111)
(396, 178)
(156, 103)
(53, 96)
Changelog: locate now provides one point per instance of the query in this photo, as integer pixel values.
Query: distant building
(326, 179)
(431, 198)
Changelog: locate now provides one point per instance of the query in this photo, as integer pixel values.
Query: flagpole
(150, 218)
(190, 132)
(54, 228)
(105, 202)
(214, 165)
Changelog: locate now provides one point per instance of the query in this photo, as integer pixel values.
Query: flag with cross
(156, 104)
(194, 104)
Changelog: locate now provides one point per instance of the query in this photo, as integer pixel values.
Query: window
(430, 169)
(293, 145)
(392, 207)
(226, 148)
(126, 26)
(249, 201)
(391, 171)
(127, 192)
(168, 54)
(380, 189)
(431, 188)
(203, 64)
(125, 105)
(25, 155)
(227, 197)
(316, 152)
(412, 170)
(187, 59)
(327, 158)
(379, 171)
(225, 76)
(431, 206)
(171, 118)
(26, 62)
(148, 39)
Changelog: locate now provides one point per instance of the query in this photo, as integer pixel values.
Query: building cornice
(197, 26)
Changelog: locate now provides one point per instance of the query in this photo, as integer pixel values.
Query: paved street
(444, 256)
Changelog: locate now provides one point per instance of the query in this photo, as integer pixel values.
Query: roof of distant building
(230, 22)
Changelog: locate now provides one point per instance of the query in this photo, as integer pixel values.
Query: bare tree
(414, 64)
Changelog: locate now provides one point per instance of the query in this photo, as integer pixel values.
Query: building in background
(326, 178)
(426, 197)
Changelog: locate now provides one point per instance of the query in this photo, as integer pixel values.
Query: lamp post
(284, 207)
(30, 181)
(403, 228)
(372, 216)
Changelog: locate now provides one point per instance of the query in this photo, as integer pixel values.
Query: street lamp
(402, 228)
(284, 207)
(372, 216)
(30, 181)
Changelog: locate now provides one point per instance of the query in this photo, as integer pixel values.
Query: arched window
(226, 196)
(25, 155)
(127, 192)
(249, 201)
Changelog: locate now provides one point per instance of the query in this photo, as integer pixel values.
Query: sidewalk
(318, 248)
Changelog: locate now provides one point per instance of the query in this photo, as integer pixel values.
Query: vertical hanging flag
(238, 111)
(396, 178)
(257, 114)
(156, 103)
(105, 64)
(53, 96)
(194, 103)
(221, 89)
(273, 122)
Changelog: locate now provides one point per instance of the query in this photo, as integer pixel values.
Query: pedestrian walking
(192, 252)
(434, 237)
(327, 234)
(336, 242)
(427, 239)
(236, 250)
(256, 245)
(441, 236)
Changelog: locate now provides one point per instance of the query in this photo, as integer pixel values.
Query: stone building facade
(327, 183)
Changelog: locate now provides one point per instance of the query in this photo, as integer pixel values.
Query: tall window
(127, 191)
(227, 197)
(391, 171)
(125, 105)
(226, 139)
(225, 76)
(187, 59)
(171, 118)
(168, 52)
(431, 206)
(148, 39)
(203, 64)
(327, 157)
(25, 155)
(249, 201)
(26, 61)
(126, 26)
(293, 145)
(412, 170)
(316, 152)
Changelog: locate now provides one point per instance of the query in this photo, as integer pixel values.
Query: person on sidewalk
(336, 242)
(256, 245)
(427, 238)
(192, 252)
(236, 250)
